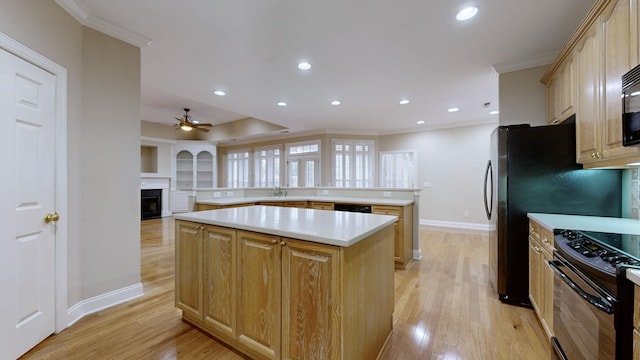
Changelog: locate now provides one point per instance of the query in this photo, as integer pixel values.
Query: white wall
(103, 142)
(522, 97)
(453, 161)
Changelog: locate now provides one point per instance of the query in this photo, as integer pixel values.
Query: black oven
(583, 314)
(592, 299)
(631, 107)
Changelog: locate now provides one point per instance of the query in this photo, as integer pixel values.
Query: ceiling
(368, 54)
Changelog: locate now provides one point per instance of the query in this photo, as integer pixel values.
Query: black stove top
(599, 251)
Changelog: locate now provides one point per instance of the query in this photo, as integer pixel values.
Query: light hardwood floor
(445, 309)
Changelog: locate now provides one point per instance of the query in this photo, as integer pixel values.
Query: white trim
(101, 302)
(457, 225)
(160, 140)
(84, 16)
(61, 286)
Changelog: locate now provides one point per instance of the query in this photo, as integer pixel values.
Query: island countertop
(322, 226)
(334, 199)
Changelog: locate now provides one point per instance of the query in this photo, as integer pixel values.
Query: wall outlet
(466, 214)
(325, 192)
(229, 193)
(217, 194)
(386, 194)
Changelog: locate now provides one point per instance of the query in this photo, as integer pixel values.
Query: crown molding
(541, 60)
(81, 13)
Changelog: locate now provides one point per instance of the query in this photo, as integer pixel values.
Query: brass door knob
(51, 217)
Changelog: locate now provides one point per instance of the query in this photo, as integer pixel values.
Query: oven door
(583, 320)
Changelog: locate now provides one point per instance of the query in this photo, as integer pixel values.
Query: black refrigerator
(534, 169)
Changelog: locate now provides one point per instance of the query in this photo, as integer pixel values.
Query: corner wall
(103, 143)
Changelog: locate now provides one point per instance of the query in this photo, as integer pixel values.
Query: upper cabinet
(585, 79)
(561, 94)
(194, 166)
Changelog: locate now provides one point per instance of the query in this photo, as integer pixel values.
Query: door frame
(60, 157)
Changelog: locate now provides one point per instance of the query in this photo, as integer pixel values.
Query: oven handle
(597, 301)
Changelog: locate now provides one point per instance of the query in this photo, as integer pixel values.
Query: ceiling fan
(187, 124)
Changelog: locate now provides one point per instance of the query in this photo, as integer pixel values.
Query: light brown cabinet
(320, 205)
(403, 243)
(272, 297)
(604, 47)
(202, 207)
(541, 275)
(561, 94)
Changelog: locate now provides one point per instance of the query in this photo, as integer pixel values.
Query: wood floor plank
(445, 308)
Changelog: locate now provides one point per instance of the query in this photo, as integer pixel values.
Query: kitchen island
(280, 283)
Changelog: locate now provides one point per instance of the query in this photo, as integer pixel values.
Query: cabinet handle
(545, 240)
(274, 241)
(282, 243)
(555, 121)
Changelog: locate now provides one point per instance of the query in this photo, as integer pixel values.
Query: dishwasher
(353, 208)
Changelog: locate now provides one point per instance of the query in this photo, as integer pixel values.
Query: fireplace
(151, 203)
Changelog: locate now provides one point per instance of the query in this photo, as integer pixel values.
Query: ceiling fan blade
(198, 128)
(206, 124)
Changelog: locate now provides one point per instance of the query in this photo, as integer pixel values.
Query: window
(353, 163)
(238, 168)
(266, 166)
(303, 164)
(398, 169)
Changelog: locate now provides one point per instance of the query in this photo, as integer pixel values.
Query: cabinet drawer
(298, 204)
(321, 205)
(387, 210)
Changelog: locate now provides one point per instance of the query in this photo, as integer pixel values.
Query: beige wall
(453, 162)
(103, 140)
(164, 149)
(523, 98)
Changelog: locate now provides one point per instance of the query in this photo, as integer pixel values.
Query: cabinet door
(534, 275)
(552, 102)
(566, 90)
(617, 31)
(310, 306)
(188, 257)
(588, 94)
(547, 291)
(220, 280)
(259, 294)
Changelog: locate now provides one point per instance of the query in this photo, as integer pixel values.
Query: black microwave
(631, 107)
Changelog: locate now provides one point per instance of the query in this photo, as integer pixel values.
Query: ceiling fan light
(186, 127)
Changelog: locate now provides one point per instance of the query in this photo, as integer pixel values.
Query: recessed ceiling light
(467, 13)
(304, 65)
(494, 112)
(220, 93)
(420, 122)
(453, 109)
(404, 101)
(335, 102)
(282, 103)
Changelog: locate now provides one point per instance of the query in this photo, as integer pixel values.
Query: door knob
(51, 217)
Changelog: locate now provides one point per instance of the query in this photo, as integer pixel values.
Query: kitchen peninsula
(278, 283)
(402, 203)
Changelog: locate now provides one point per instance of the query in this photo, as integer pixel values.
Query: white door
(27, 242)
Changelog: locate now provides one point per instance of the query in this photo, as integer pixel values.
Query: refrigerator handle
(488, 201)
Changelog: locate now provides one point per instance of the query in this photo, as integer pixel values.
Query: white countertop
(333, 199)
(338, 228)
(587, 223)
(591, 223)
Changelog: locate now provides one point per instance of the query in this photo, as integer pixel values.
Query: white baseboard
(100, 302)
(457, 225)
(166, 213)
